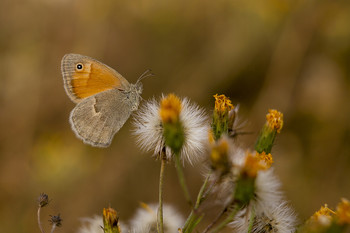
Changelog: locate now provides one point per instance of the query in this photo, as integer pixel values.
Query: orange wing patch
(84, 76)
(92, 79)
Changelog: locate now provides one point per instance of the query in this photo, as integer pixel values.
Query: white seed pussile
(145, 220)
(272, 212)
(91, 225)
(149, 131)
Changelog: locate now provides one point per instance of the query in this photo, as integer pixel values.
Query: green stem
(193, 219)
(160, 208)
(227, 220)
(200, 196)
(181, 176)
(251, 219)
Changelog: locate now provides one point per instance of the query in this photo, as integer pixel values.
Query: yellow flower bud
(275, 120)
(110, 221)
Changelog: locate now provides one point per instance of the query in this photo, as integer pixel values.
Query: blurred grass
(289, 55)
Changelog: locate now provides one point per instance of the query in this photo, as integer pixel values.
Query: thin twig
(39, 222)
(160, 208)
(53, 228)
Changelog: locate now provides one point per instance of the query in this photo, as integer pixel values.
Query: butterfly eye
(79, 66)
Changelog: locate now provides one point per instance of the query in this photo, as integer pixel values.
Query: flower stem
(251, 219)
(200, 196)
(53, 228)
(182, 179)
(39, 222)
(160, 208)
(194, 218)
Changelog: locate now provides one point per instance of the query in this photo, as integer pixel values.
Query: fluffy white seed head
(149, 131)
(91, 225)
(145, 220)
(270, 219)
(268, 188)
(272, 213)
(280, 218)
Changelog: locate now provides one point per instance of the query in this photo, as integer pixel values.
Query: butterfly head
(136, 90)
(135, 95)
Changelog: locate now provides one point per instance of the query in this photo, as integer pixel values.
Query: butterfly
(104, 98)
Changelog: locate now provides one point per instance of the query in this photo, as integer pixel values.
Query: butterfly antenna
(146, 74)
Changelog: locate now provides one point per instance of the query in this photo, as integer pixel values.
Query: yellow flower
(275, 120)
(322, 217)
(221, 116)
(222, 103)
(170, 108)
(343, 211)
(266, 158)
(324, 211)
(252, 165)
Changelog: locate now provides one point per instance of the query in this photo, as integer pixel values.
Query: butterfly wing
(84, 76)
(97, 118)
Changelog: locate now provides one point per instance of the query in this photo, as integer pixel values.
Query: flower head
(279, 218)
(110, 221)
(222, 103)
(173, 133)
(170, 108)
(223, 116)
(275, 120)
(253, 164)
(322, 217)
(320, 221)
(149, 128)
(266, 158)
(327, 220)
(43, 199)
(56, 220)
(273, 125)
(343, 211)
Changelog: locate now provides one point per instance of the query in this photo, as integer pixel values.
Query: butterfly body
(104, 98)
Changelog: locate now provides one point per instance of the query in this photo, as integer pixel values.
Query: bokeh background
(292, 55)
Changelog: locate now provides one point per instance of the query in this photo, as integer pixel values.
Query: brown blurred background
(284, 54)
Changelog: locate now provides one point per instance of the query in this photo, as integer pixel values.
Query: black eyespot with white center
(79, 67)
